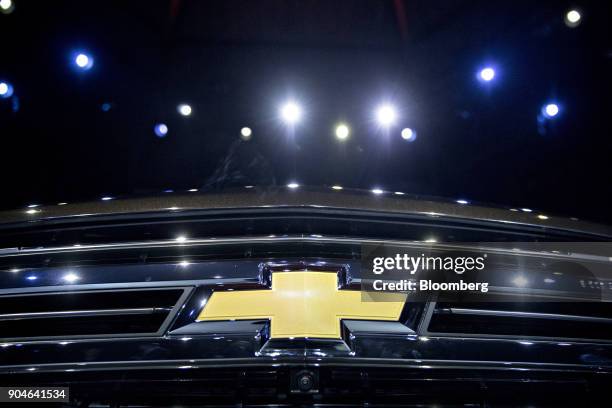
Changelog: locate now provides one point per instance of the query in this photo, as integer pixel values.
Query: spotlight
(6, 90)
(377, 191)
(572, 18)
(550, 110)
(386, 115)
(246, 133)
(342, 131)
(408, 134)
(291, 113)
(184, 109)
(6, 6)
(160, 129)
(181, 239)
(486, 74)
(293, 185)
(83, 61)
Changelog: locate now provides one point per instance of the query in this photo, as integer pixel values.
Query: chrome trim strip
(528, 315)
(314, 361)
(81, 313)
(7, 252)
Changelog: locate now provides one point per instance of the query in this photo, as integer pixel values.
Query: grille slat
(576, 320)
(87, 313)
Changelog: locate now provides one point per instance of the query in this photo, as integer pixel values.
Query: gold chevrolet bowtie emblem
(300, 304)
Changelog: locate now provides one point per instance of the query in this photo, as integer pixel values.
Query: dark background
(235, 62)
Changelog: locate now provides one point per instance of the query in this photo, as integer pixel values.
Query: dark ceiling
(235, 61)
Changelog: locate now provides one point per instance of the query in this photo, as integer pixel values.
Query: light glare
(160, 129)
(377, 191)
(336, 187)
(246, 132)
(6, 90)
(83, 61)
(408, 134)
(71, 278)
(386, 115)
(291, 113)
(551, 110)
(342, 131)
(520, 281)
(572, 18)
(487, 74)
(184, 109)
(293, 185)
(5, 5)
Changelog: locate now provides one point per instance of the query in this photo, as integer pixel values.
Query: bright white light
(33, 205)
(192, 190)
(15, 270)
(181, 238)
(386, 115)
(83, 61)
(106, 198)
(342, 131)
(399, 193)
(431, 240)
(5, 4)
(32, 211)
(291, 113)
(551, 110)
(377, 191)
(62, 203)
(337, 187)
(463, 202)
(71, 277)
(408, 134)
(184, 109)
(293, 185)
(6, 90)
(184, 264)
(246, 132)
(32, 278)
(520, 281)
(543, 217)
(526, 210)
(487, 74)
(572, 18)
(160, 130)
(549, 280)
